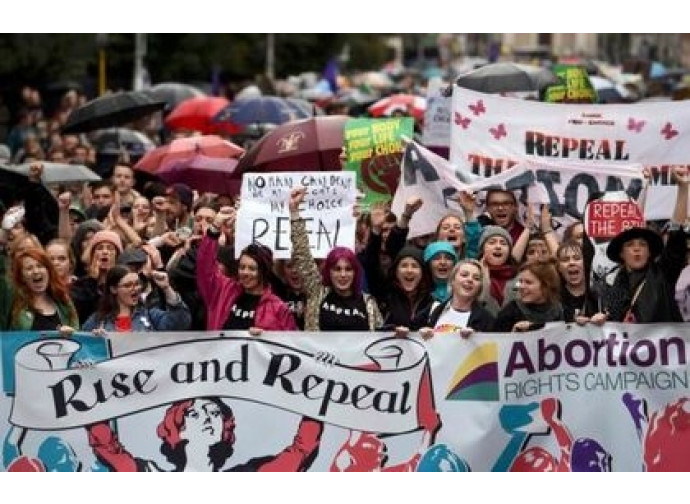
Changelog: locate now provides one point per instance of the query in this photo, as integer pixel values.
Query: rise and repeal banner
(560, 399)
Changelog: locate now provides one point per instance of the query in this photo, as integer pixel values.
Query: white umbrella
(58, 173)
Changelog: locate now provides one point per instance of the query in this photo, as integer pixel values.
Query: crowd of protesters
(162, 257)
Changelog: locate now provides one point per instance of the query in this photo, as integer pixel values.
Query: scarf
(498, 277)
(541, 313)
(441, 291)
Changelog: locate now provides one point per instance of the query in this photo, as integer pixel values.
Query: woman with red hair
(335, 301)
(199, 434)
(40, 297)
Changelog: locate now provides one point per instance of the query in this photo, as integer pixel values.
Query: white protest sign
(436, 130)
(489, 134)
(264, 215)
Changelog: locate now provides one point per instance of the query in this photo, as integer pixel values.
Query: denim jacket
(175, 318)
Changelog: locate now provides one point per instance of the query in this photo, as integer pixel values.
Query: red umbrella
(183, 149)
(307, 145)
(203, 173)
(407, 104)
(196, 114)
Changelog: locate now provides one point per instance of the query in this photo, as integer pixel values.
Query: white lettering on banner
(286, 377)
(655, 135)
(327, 209)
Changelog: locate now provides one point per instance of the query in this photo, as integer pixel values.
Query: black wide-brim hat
(654, 241)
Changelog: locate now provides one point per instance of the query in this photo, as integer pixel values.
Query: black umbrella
(506, 77)
(173, 93)
(111, 110)
(11, 184)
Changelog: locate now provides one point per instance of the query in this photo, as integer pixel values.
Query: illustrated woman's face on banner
(203, 422)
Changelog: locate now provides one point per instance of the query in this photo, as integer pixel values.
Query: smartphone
(183, 233)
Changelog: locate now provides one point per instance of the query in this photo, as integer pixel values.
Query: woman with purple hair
(335, 300)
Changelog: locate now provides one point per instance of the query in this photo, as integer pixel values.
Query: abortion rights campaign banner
(611, 398)
(264, 215)
(490, 134)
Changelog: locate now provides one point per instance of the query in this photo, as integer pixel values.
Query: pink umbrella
(203, 173)
(181, 149)
(406, 104)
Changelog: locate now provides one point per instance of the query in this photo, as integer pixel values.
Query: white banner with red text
(490, 134)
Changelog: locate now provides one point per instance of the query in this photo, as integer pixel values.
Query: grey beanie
(490, 231)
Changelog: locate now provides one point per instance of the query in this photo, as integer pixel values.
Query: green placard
(374, 151)
(575, 86)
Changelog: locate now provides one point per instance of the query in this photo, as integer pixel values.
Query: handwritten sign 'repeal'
(327, 208)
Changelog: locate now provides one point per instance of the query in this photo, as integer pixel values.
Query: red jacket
(220, 293)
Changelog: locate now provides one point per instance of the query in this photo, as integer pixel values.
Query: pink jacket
(220, 293)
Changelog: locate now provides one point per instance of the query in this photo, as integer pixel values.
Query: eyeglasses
(129, 285)
(497, 204)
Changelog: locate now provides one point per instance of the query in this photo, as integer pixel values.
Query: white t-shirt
(452, 320)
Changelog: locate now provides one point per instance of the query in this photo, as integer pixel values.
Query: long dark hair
(108, 305)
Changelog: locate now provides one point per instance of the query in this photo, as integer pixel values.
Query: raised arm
(301, 253)
(209, 279)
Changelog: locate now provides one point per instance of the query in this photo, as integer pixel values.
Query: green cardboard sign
(575, 86)
(374, 151)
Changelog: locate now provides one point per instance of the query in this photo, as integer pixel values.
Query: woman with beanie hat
(441, 257)
(410, 289)
(495, 246)
(103, 250)
(335, 300)
(244, 303)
